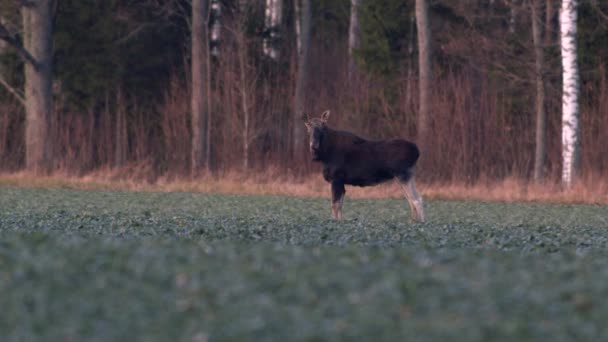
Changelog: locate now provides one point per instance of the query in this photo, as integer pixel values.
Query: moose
(351, 160)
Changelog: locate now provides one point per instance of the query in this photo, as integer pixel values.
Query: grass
(114, 265)
(591, 189)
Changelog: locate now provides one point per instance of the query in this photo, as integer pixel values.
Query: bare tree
(216, 26)
(424, 68)
(549, 15)
(199, 96)
(513, 11)
(3, 47)
(541, 116)
(302, 79)
(120, 131)
(245, 90)
(37, 51)
(570, 92)
(5, 37)
(274, 11)
(298, 26)
(353, 35)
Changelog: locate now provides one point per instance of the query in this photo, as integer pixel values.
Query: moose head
(316, 128)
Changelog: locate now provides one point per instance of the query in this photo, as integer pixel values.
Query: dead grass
(592, 190)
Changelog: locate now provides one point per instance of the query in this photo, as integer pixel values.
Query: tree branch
(12, 90)
(26, 3)
(598, 10)
(12, 40)
(132, 34)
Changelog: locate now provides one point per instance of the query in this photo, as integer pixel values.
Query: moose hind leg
(337, 198)
(414, 199)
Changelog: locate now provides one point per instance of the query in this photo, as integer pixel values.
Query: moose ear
(325, 116)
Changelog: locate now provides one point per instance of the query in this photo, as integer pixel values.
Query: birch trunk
(540, 151)
(216, 27)
(570, 101)
(512, 17)
(38, 41)
(200, 52)
(301, 81)
(274, 10)
(424, 68)
(353, 35)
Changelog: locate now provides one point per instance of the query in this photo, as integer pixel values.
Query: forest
(180, 88)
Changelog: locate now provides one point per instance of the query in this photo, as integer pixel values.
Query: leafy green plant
(98, 265)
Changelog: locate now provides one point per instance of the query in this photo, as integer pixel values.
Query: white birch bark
(3, 44)
(274, 10)
(353, 35)
(216, 27)
(512, 17)
(570, 101)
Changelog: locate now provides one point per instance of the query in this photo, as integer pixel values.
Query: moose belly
(357, 175)
(368, 178)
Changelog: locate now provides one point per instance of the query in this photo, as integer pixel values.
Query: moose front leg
(337, 198)
(414, 199)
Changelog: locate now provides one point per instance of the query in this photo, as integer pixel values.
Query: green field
(119, 266)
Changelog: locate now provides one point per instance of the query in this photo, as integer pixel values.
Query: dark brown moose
(349, 159)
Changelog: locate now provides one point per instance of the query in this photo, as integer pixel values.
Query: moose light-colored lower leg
(414, 199)
(337, 198)
(336, 208)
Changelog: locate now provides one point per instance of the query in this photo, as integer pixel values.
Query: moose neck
(328, 147)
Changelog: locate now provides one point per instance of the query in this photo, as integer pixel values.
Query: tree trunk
(424, 68)
(3, 50)
(540, 151)
(120, 148)
(4, 45)
(549, 31)
(411, 62)
(244, 87)
(570, 90)
(120, 133)
(298, 26)
(209, 101)
(353, 36)
(274, 11)
(302, 81)
(38, 41)
(200, 52)
(512, 17)
(216, 27)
